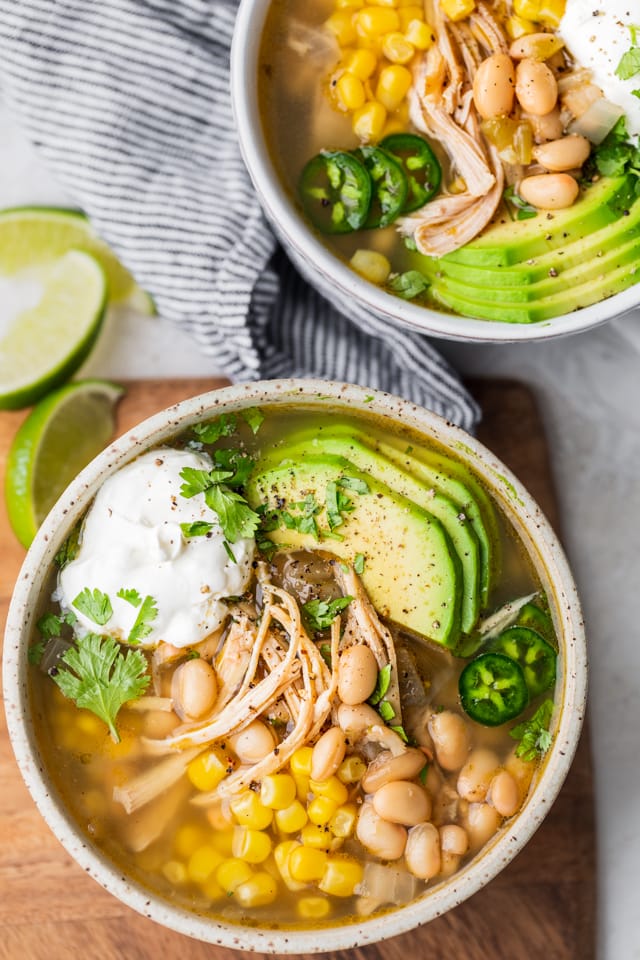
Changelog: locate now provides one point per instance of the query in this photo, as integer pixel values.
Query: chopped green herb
(401, 733)
(423, 774)
(369, 398)
(199, 528)
(325, 653)
(192, 655)
(533, 734)
(409, 284)
(229, 551)
(131, 596)
(616, 155)
(266, 546)
(629, 65)
(224, 426)
(95, 605)
(320, 614)
(336, 503)
(355, 484)
(524, 210)
(382, 685)
(49, 625)
(69, 549)
(100, 678)
(237, 463)
(358, 563)
(386, 711)
(636, 93)
(35, 653)
(142, 626)
(254, 417)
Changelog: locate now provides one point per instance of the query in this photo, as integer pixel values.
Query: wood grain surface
(541, 905)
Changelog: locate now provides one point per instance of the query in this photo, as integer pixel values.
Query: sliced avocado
(596, 244)
(412, 572)
(557, 281)
(354, 448)
(590, 291)
(512, 242)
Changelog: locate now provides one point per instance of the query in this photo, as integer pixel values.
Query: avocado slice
(510, 242)
(351, 446)
(421, 589)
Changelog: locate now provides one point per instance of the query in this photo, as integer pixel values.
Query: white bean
(381, 838)
(194, 689)
(482, 822)
(536, 87)
(549, 191)
(402, 802)
(549, 127)
(423, 851)
(503, 794)
(328, 753)
(493, 86)
(357, 720)
(385, 768)
(454, 839)
(450, 739)
(253, 743)
(357, 674)
(476, 775)
(567, 153)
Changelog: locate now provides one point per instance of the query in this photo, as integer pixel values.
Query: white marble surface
(589, 391)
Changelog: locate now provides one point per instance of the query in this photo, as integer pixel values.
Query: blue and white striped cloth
(128, 101)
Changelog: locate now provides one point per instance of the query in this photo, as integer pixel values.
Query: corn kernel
(351, 770)
(376, 21)
(277, 791)
(251, 845)
(519, 27)
(349, 4)
(231, 873)
(281, 855)
(350, 92)
(292, 818)
(302, 786)
(332, 788)
(369, 121)
(371, 265)
(458, 9)
(384, 3)
(313, 908)
(342, 27)
(222, 841)
(208, 770)
(361, 64)
(212, 889)
(341, 876)
(175, 872)
(219, 816)
(393, 85)
(343, 822)
(259, 891)
(319, 838)
(203, 862)
(188, 838)
(307, 864)
(301, 761)
(408, 14)
(249, 810)
(551, 12)
(527, 9)
(419, 34)
(394, 126)
(397, 48)
(321, 809)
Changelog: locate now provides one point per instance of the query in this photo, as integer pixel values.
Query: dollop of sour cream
(132, 540)
(597, 34)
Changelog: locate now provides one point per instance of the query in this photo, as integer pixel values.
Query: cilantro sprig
(98, 677)
(235, 516)
(142, 626)
(629, 65)
(320, 614)
(409, 284)
(617, 155)
(533, 734)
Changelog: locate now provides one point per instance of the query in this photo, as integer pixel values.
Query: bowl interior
(546, 556)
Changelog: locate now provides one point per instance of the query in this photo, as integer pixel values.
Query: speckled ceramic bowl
(546, 556)
(332, 276)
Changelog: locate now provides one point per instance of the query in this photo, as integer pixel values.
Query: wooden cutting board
(541, 905)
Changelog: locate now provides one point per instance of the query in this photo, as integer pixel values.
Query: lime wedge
(48, 340)
(59, 437)
(35, 236)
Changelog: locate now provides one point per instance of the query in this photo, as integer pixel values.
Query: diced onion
(597, 120)
(387, 884)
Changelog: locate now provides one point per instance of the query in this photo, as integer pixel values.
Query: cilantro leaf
(524, 210)
(423, 774)
(98, 677)
(195, 482)
(199, 528)
(229, 552)
(238, 464)
(358, 563)
(254, 417)
(320, 614)
(533, 734)
(336, 504)
(409, 284)
(131, 596)
(69, 549)
(325, 653)
(147, 613)
(355, 484)
(382, 685)
(95, 605)
(629, 65)
(223, 426)
(235, 516)
(36, 652)
(616, 155)
(49, 625)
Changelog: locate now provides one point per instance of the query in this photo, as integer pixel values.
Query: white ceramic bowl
(331, 276)
(546, 556)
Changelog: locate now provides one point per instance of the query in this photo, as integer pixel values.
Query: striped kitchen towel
(128, 101)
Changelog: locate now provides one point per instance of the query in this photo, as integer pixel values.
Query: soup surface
(293, 668)
(462, 154)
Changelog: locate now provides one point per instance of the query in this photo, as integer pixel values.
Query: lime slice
(59, 437)
(46, 342)
(35, 236)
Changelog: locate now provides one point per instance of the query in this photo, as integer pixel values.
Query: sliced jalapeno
(389, 186)
(420, 165)
(493, 689)
(531, 615)
(335, 189)
(531, 651)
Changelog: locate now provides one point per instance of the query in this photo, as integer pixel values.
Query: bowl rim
(317, 259)
(542, 546)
